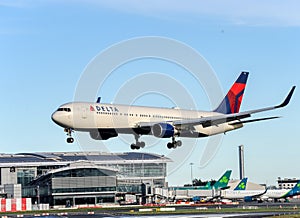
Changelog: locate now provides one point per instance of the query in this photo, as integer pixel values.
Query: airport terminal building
(76, 178)
(287, 183)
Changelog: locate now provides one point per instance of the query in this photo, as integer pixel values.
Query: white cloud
(247, 12)
(255, 12)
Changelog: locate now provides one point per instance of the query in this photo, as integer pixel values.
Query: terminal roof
(68, 157)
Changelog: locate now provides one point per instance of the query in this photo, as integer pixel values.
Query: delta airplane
(104, 121)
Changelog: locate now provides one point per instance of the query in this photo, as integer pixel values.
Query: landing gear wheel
(178, 143)
(140, 144)
(70, 140)
(170, 145)
(132, 146)
(174, 144)
(137, 144)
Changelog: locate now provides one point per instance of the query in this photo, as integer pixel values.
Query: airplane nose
(58, 119)
(54, 118)
(61, 119)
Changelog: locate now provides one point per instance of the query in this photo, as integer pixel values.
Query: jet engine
(163, 130)
(248, 199)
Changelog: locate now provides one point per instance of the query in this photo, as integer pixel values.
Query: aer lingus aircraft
(240, 192)
(277, 194)
(262, 195)
(221, 183)
(104, 121)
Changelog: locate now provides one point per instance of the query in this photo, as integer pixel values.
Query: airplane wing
(224, 118)
(260, 194)
(256, 196)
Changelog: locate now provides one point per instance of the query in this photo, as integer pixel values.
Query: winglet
(287, 99)
(98, 100)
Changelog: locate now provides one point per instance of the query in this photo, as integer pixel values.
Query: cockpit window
(64, 109)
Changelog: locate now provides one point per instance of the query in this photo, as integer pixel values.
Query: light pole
(192, 172)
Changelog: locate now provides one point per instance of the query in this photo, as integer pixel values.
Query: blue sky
(46, 45)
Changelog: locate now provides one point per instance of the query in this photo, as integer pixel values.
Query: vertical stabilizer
(242, 185)
(223, 181)
(232, 101)
(294, 191)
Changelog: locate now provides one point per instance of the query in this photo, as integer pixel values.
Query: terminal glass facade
(142, 169)
(71, 186)
(25, 176)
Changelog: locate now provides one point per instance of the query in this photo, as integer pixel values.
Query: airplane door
(84, 112)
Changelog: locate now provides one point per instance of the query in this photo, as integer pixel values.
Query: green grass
(289, 216)
(135, 211)
(213, 210)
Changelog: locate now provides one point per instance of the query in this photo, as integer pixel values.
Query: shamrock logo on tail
(224, 179)
(242, 185)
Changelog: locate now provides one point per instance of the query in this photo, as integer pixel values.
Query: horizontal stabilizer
(254, 120)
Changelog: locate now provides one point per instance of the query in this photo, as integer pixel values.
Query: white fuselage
(240, 194)
(85, 116)
(275, 193)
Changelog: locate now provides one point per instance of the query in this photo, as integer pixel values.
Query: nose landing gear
(69, 131)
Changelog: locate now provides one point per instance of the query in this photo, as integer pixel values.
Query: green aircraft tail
(223, 181)
(294, 191)
(242, 184)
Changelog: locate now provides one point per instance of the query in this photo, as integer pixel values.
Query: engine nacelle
(248, 199)
(163, 130)
(103, 135)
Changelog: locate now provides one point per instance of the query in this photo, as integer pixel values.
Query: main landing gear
(174, 144)
(69, 131)
(137, 144)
